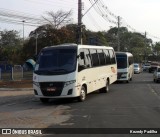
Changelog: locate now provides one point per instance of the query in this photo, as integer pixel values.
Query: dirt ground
(16, 84)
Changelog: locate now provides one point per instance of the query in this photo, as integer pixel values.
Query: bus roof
(124, 53)
(79, 46)
(94, 46)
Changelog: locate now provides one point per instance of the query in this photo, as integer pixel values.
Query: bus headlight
(36, 83)
(69, 82)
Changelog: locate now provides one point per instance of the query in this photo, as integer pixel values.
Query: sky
(138, 15)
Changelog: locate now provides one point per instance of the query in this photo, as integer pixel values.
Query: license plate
(51, 89)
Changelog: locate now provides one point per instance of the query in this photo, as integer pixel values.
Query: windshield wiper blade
(57, 70)
(41, 72)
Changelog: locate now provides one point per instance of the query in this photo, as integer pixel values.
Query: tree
(157, 48)
(46, 35)
(10, 46)
(133, 42)
(112, 37)
(58, 19)
(9, 38)
(49, 34)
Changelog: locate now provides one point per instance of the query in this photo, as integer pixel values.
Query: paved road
(133, 105)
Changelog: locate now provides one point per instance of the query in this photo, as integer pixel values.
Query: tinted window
(56, 61)
(81, 61)
(121, 61)
(112, 56)
(107, 57)
(101, 57)
(136, 65)
(130, 60)
(94, 56)
(87, 58)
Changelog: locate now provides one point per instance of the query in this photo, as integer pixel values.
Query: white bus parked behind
(125, 66)
(72, 70)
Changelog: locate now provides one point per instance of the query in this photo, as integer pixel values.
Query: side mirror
(35, 57)
(82, 55)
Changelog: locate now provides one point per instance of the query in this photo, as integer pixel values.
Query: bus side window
(108, 61)
(81, 61)
(112, 56)
(101, 57)
(94, 56)
(130, 60)
(87, 58)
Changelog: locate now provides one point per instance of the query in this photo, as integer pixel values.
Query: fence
(16, 73)
(0, 73)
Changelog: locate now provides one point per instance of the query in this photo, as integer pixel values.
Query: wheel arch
(108, 79)
(85, 86)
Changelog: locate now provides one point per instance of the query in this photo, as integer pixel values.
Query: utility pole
(80, 16)
(118, 40)
(23, 30)
(79, 21)
(145, 54)
(36, 43)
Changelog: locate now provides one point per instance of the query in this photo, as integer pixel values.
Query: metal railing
(16, 73)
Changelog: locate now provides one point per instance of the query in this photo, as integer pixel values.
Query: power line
(18, 22)
(104, 12)
(94, 21)
(21, 16)
(52, 3)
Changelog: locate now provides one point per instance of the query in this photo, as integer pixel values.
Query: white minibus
(72, 70)
(125, 66)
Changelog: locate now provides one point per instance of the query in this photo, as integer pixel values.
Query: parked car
(137, 68)
(154, 66)
(146, 66)
(156, 75)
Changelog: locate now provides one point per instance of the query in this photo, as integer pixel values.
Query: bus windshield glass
(121, 62)
(56, 61)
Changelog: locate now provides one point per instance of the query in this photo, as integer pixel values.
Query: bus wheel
(44, 100)
(105, 89)
(82, 96)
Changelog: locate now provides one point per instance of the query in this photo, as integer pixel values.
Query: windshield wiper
(58, 70)
(41, 72)
(49, 72)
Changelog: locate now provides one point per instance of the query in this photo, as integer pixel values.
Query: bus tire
(44, 100)
(105, 89)
(83, 94)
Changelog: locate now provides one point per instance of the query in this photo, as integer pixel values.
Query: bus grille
(51, 88)
(119, 75)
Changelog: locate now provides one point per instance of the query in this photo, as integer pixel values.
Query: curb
(16, 89)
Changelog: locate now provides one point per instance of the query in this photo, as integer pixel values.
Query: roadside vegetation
(60, 29)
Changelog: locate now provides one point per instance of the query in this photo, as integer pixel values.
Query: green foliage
(135, 43)
(13, 50)
(46, 35)
(156, 48)
(10, 46)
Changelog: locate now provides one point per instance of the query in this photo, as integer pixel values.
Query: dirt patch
(16, 84)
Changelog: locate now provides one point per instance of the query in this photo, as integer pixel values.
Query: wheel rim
(107, 87)
(83, 94)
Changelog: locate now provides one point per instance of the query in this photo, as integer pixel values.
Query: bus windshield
(121, 62)
(56, 61)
